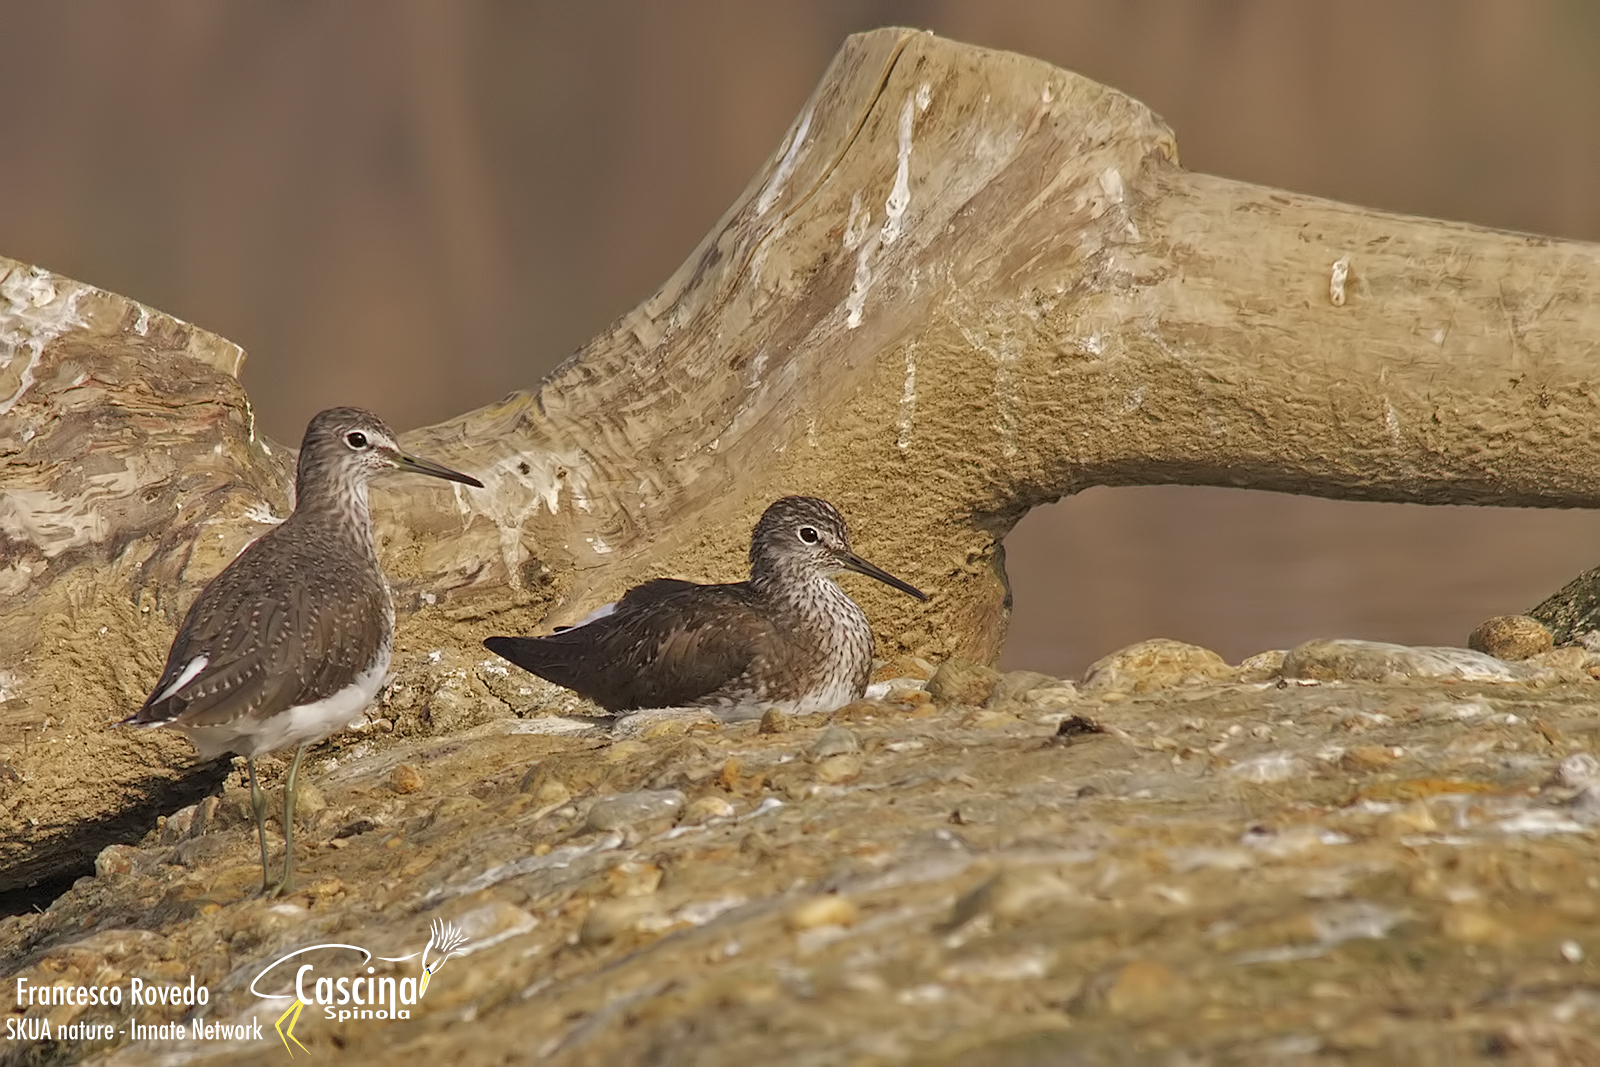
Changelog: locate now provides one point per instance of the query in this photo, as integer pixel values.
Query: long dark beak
(852, 562)
(422, 466)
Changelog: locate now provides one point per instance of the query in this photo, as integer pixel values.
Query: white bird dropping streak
(899, 200)
(908, 398)
(785, 167)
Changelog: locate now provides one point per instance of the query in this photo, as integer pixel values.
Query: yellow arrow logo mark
(286, 1034)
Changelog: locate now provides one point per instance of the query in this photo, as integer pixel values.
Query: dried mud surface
(1174, 861)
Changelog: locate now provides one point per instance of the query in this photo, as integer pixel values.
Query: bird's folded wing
(287, 650)
(221, 668)
(654, 591)
(671, 645)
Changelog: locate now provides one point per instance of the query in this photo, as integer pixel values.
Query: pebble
(1474, 926)
(405, 778)
(732, 776)
(1139, 989)
(826, 909)
(773, 721)
(176, 826)
(835, 741)
(1578, 770)
(1157, 664)
(841, 768)
(207, 817)
(633, 878)
(1586, 805)
(1076, 726)
(1511, 637)
(1346, 660)
(958, 681)
(114, 860)
(1414, 818)
(354, 828)
(633, 809)
(704, 809)
(611, 918)
(308, 803)
(1261, 667)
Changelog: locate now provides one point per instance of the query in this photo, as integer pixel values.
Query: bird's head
(804, 535)
(343, 447)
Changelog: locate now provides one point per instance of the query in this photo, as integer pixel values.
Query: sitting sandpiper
(292, 640)
(788, 638)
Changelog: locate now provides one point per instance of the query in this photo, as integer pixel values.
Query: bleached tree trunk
(965, 283)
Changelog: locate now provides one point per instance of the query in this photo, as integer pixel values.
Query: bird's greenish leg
(287, 885)
(259, 803)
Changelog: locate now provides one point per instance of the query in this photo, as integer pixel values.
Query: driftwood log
(964, 284)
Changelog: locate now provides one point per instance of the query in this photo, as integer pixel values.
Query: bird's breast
(831, 642)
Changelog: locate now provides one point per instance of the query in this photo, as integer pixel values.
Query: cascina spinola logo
(363, 996)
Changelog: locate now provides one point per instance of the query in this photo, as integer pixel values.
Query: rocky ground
(1355, 853)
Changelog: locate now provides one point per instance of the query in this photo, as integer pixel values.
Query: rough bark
(966, 283)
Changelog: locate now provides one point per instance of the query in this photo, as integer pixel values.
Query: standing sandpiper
(292, 640)
(789, 637)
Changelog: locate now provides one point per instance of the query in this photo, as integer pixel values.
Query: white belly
(827, 698)
(296, 726)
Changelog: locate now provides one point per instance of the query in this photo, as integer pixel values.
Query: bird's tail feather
(536, 655)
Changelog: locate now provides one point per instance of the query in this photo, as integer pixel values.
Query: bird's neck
(815, 601)
(336, 505)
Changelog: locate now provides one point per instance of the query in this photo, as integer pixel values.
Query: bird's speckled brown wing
(669, 643)
(270, 642)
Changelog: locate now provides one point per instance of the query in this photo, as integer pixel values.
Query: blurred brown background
(419, 206)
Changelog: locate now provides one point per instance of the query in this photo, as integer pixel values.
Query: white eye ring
(356, 440)
(809, 535)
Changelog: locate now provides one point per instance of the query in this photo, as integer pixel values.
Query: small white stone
(1578, 770)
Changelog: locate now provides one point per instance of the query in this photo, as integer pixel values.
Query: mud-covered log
(967, 283)
(964, 284)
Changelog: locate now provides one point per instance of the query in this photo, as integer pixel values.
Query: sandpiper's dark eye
(809, 535)
(356, 440)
